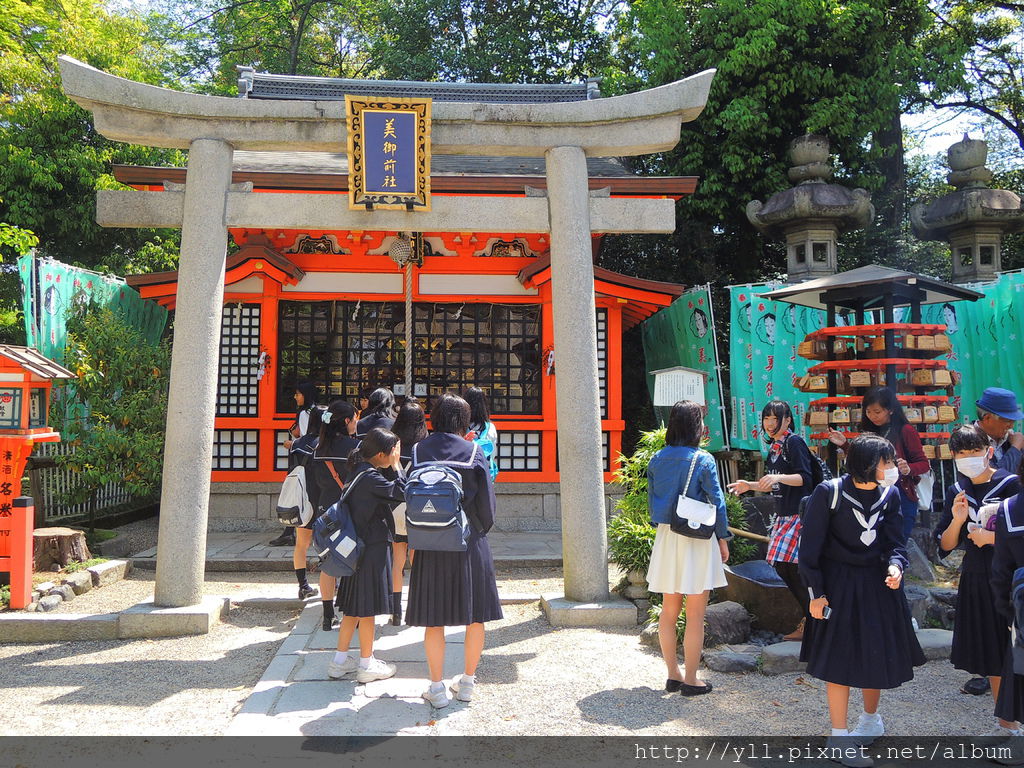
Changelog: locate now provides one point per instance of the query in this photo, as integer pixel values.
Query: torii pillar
(212, 127)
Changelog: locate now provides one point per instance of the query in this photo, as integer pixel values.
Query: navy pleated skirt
(1010, 702)
(368, 591)
(980, 635)
(869, 641)
(453, 589)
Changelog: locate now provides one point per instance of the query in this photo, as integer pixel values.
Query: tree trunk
(58, 545)
(894, 190)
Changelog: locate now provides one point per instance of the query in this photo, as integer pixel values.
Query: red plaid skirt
(784, 540)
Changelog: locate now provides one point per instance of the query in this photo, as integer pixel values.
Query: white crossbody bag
(693, 518)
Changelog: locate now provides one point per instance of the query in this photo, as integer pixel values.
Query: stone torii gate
(211, 128)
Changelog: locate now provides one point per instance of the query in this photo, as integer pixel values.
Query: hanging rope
(408, 329)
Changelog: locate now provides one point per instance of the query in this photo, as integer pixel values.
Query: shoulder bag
(693, 518)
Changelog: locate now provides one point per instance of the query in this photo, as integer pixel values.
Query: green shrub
(5, 597)
(741, 549)
(630, 542)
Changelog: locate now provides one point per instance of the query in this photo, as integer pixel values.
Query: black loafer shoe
(976, 686)
(672, 686)
(694, 690)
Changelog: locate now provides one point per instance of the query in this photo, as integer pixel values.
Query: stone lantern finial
(812, 214)
(974, 218)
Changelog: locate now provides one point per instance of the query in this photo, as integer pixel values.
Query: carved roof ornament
(973, 205)
(813, 201)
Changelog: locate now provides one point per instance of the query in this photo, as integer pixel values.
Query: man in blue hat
(997, 412)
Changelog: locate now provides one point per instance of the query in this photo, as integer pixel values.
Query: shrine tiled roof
(260, 85)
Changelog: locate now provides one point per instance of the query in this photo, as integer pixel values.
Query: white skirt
(684, 565)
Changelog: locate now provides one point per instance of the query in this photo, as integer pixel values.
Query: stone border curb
(138, 621)
(46, 595)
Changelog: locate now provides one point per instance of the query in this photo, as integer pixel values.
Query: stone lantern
(974, 218)
(813, 214)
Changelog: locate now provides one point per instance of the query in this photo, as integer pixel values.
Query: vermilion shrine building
(328, 305)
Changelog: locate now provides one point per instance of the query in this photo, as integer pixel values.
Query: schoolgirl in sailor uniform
(301, 454)
(376, 484)
(327, 480)
(448, 589)
(379, 412)
(852, 558)
(1008, 557)
(411, 427)
(980, 635)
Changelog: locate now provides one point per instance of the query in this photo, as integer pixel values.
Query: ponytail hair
(377, 440)
(333, 420)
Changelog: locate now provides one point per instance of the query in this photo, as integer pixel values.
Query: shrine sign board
(388, 153)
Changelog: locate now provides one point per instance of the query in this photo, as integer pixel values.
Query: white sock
(341, 657)
(469, 679)
(438, 686)
(873, 717)
(364, 663)
(840, 732)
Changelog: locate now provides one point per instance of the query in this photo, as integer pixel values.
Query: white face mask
(972, 466)
(891, 475)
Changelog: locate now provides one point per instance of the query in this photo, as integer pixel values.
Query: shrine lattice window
(347, 347)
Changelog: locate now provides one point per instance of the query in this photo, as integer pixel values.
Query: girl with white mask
(981, 637)
(852, 558)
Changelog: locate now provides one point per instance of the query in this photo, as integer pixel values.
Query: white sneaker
(377, 670)
(1000, 732)
(336, 671)
(462, 690)
(438, 699)
(868, 728)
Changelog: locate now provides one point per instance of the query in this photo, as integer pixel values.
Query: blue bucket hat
(1001, 402)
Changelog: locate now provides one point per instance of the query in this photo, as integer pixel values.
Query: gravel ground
(533, 679)
(542, 681)
(179, 686)
(141, 535)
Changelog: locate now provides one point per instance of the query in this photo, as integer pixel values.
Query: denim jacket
(666, 475)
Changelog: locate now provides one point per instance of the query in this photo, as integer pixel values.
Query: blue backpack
(434, 518)
(337, 544)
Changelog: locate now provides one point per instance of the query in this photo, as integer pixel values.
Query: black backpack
(820, 473)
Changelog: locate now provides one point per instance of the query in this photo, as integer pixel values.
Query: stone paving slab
(295, 696)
